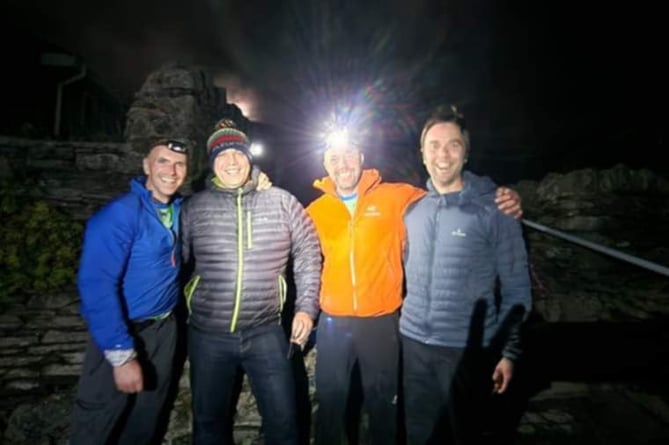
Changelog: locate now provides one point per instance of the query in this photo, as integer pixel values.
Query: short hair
(445, 114)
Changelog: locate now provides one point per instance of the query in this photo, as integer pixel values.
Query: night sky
(545, 86)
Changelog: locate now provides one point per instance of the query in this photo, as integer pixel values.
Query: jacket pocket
(189, 290)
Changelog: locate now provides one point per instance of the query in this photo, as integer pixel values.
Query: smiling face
(444, 155)
(344, 166)
(232, 168)
(165, 172)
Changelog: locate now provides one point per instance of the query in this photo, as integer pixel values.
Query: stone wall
(77, 177)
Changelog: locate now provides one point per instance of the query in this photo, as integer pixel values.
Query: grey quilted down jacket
(458, 246)
(238, 243)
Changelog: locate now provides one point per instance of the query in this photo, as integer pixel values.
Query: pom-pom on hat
(226, 136)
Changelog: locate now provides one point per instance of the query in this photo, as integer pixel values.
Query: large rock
(183, 103)
(619, 208)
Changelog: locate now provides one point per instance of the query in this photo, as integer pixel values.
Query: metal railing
(599, 248)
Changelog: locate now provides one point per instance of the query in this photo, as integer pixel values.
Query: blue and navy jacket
(458, 245)
(129, 266)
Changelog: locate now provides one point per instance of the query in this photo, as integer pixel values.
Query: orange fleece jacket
(362, 253)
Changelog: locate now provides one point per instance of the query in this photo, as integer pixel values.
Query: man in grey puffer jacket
(459, 339)
(239, 241)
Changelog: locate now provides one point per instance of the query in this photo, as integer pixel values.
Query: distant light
(257, 149)
(337, 138)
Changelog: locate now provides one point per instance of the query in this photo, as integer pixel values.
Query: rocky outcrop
(626, 210)
(182, 103)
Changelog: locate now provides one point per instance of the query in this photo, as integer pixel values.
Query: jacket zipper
(173, 236)
(249, 234)
(352, 265)
(240, 262)
(434, 233)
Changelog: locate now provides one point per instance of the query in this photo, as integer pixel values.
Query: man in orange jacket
(359, 221)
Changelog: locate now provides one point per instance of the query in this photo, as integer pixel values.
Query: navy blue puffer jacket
(458, 245)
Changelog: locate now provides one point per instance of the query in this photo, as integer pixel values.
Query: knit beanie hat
(226, 136)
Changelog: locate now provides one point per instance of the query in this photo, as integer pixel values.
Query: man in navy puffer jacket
(459, 339)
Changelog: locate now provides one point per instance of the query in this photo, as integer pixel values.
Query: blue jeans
(214, 362)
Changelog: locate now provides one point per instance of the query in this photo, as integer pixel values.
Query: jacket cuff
(119, 357)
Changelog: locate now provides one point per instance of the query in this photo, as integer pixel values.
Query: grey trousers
(103, 415)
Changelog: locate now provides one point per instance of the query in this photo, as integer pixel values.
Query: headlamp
(173, 145)
(256, 149)
(337, 138)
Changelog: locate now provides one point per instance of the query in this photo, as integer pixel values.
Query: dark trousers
(214, 362)
(446, 391)
(373, 343)
(104, 415)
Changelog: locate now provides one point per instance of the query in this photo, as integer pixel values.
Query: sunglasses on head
(174, 145)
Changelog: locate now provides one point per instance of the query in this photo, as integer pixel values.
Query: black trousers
(104, 415)
(372, 343)
(446, 392)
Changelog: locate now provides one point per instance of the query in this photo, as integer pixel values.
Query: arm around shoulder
(306, 253)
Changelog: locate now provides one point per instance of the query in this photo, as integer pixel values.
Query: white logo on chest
(459, 232)
(372, 211)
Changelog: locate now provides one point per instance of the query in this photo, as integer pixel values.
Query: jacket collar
(214, 184)
(474, 186)
(138, 187)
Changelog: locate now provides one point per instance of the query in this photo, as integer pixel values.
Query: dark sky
(544, 85)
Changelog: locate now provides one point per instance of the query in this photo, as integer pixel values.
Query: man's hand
(263, 182)
(128, 377)
(508, 202)
(302, 325)
(502, 375)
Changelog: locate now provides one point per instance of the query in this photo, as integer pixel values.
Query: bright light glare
(337, 138)
(256, 149)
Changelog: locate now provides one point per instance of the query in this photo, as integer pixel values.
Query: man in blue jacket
(128, 282)
(459, 338)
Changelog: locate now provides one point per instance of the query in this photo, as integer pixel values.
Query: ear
(145, 166)
(421, 152)
(362, 158)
